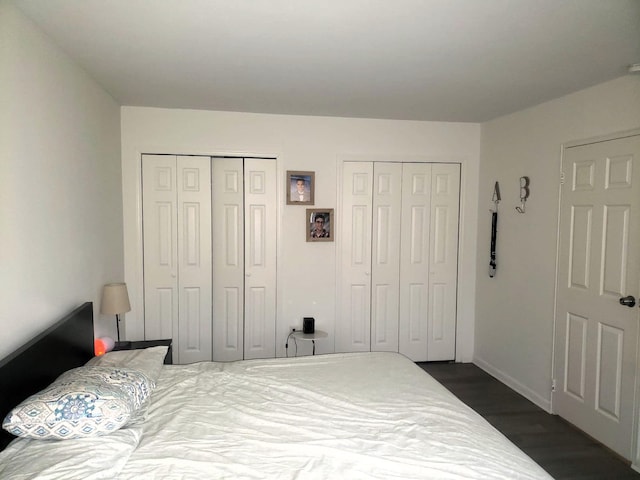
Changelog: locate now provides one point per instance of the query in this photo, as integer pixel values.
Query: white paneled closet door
(414, 260)
(228, 258)
(385, 258)
(443, 261)
(353, 325)
(260, 258)
(429, 261)
(177, 253)
(160, 237)
(244, 257)
(398, 283)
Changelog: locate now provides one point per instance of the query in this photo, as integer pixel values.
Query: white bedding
(352, 416)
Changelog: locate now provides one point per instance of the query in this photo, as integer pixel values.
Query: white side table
(298, 335)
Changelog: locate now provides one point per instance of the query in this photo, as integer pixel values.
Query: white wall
(306, 271)
(515, 309)
(60, 184)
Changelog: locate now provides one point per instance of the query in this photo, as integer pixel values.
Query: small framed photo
(300, 188)
(320, 225)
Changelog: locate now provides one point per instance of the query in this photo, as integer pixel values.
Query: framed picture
(300, 188)
(320, 225)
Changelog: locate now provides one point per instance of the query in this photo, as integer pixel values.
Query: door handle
(628, 301)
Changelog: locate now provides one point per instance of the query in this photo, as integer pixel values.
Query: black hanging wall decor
(494, 230)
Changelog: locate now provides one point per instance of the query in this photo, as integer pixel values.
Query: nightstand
(168, 359)
(299, 335)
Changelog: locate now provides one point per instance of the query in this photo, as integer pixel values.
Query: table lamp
(115, 301)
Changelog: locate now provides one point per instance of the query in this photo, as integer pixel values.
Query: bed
(354, 416)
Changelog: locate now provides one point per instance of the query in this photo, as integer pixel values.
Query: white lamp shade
(115, 299)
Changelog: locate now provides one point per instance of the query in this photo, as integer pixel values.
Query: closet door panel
(194, 262)
(385, 268)
(443, 265)
(398, 277)
(416, 296)
(260, 258)
(228, 258)
(159, 200)
(353, 325)
(414, 260)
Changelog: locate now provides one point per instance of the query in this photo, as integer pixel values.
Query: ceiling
(442, 60)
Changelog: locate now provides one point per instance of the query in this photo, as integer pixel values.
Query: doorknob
(628, 301)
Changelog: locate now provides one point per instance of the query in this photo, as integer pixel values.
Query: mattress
(354, 416)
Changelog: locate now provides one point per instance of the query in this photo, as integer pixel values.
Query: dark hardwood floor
(557, 446)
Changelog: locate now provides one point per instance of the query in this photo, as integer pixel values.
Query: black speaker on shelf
(308, 325)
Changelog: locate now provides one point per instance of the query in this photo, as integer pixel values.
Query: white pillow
(147, 360)
(82, 402)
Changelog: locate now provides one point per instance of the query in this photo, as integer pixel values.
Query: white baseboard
(543, 403)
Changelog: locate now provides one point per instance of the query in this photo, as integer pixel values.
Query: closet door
(443, 261)
(414, 260)
(398, 283)
(194, 259)
(260, 258)
(160, 239)
(353, 325)
(177, 253)
(244, 257)
(429, 261)
(385, 256)
(227, 180)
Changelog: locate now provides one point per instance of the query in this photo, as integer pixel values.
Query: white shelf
(309, 337)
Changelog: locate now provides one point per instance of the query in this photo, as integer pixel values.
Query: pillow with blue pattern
(83, 402)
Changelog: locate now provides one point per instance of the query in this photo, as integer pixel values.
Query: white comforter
(342, 416)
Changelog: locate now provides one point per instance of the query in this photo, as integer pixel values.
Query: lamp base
(125, 345)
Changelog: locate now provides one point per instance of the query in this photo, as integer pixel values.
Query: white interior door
(244, 256)
(194, 259)
(260, 258)
(160, 237)
(443, 261)
(177, 253)
(228, 258)
(399, 259)
(596, 337)
(385, 258)
(353, 325)
(414, 261)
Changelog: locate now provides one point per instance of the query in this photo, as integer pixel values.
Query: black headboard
(65, 345)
